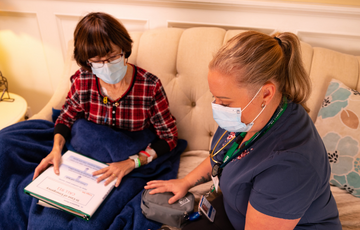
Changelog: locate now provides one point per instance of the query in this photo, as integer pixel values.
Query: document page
(75, 187)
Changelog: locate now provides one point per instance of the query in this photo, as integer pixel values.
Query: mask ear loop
(263, 107)
(252, 99)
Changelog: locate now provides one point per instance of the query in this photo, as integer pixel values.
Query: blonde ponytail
(296, 84)
(262, 58)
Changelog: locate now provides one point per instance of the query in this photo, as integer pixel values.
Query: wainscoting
(34, 33)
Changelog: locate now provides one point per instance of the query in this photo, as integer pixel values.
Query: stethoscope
(218, 166)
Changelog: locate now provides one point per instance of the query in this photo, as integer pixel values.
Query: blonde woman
(267, 156)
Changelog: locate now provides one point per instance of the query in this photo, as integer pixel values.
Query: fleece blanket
(23, 145)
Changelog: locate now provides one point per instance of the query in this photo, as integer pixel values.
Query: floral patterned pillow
(338, 124)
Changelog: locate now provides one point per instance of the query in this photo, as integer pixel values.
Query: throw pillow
(338, 125)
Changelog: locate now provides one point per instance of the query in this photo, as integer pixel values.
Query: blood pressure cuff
(156, 207)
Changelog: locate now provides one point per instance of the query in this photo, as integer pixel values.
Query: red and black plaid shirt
(143, 105)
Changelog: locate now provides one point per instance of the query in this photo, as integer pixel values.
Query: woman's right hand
(53, 158)
(177, 186)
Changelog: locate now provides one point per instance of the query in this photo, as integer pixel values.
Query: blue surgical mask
(111, 73)
(229, 118)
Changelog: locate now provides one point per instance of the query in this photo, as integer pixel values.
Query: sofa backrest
(180, 59)
(328, 64)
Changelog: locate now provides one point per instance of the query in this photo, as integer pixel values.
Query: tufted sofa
(180, 59)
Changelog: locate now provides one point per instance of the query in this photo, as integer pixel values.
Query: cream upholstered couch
(180, 59)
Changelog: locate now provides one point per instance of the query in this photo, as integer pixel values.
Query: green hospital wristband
(137, 162)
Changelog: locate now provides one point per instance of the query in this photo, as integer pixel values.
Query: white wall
(34, 33)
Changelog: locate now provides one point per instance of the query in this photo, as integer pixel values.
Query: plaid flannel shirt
(143, 105)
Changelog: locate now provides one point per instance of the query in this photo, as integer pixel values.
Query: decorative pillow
(338, 124)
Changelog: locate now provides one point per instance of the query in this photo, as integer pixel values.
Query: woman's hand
(116, 170)
(178, 186)
(53, 158)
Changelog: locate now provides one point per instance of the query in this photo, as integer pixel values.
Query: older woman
(109, 91)
(267, 156)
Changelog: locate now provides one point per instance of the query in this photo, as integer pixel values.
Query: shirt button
(113, 111)
(113, 124)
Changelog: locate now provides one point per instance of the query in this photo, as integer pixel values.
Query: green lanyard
(235, 151)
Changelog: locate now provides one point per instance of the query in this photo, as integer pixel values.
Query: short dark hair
(94, 34)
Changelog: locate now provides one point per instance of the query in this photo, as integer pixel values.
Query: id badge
(207, 209)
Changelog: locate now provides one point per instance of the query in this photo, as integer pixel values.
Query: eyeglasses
(112, 60)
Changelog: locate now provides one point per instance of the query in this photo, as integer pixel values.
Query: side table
(12, 112)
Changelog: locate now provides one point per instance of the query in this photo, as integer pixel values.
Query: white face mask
(229, 118)
(111, 73)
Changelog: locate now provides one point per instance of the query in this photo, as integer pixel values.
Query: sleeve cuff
(63, 130)
(160, 146)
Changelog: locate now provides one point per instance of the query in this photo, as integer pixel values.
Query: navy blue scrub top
(284, 174)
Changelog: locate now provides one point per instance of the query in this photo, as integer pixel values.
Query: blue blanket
(23, 145)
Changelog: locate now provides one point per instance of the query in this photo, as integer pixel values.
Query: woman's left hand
(115, 171)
